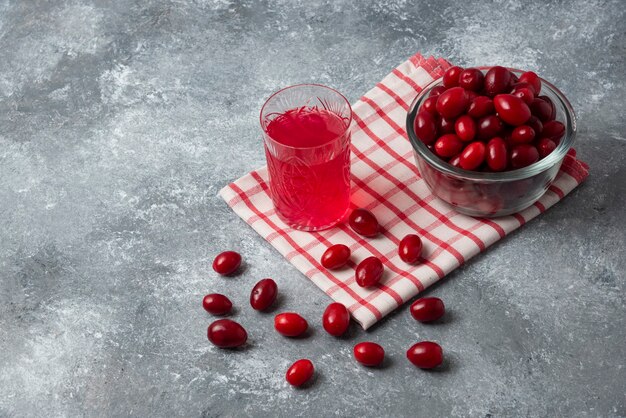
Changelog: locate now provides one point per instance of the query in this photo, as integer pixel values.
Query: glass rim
(505, 176)
(284, 89)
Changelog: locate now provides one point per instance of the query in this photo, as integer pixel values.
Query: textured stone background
(120, 121)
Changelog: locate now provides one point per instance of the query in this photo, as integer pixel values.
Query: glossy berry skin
(452, 102)
(497, 156)
(455, 161)
(551, 104)
(226, 262)
(451, 77)
(532, 79)
(471, 79)
(290, 324)
(448, 145)
(425, 355)
(497, 80)
(300, 372)
(488, 127)
(336, 319)
(523, 155)
(480, 107)
(445, 126)
(336, 256)
(553, 130)
(545, 146)
(429, 105)
(473, 156)
(536, 124)
(425, 127)
(522, 85)
(522, 134)
(541, 109)
(427, 309)
(465, 128)
(511, 109)
(216, 304)
(263, 294)
(369, 272)
(369, 354)
(225, 333)
(436, 91)
(363, 222)
(410, 249)
(525, 94)
(471, 95)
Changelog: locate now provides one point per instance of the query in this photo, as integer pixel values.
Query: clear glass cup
(306, 132)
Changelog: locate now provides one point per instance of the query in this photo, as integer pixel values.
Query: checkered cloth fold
(385, 180)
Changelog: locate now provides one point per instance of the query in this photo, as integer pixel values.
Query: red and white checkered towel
(385, 180)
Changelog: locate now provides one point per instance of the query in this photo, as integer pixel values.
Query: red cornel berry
(369, 272)
(336, 319)
(511, 109)
(217, 304)
(497, 80)
(425, 127)
(263, 294)
(336, 256)
(226, 262)
(369, 354)
(473, 156)
(471, 79)
(448, 145)
(410, 249)
(363, 222)
(225, 333)
(290, 324)
(425, 355)
(452, 102)
(427, 309)
(532, 79)
(451, 77)
(300, 372)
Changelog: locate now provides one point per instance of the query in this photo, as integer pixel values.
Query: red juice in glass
(307, 146)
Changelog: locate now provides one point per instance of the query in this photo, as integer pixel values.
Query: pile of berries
(226, 333)
(489, 122)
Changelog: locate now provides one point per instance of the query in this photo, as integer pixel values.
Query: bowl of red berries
(490, 140)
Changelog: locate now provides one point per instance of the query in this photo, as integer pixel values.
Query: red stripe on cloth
(399, 100)
(540, 206)
(382, 144)
(380, 112)
(250, 192)
(572, 167)
(417, 59)
(407, 80)
(556, 191)
(295, 245)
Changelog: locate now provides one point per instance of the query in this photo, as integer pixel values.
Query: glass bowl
(492, 194)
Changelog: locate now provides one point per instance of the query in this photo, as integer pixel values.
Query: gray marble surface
(120, 121)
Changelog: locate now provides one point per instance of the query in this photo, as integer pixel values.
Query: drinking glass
(306, 132)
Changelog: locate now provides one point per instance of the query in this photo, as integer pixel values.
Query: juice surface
(306, 127)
